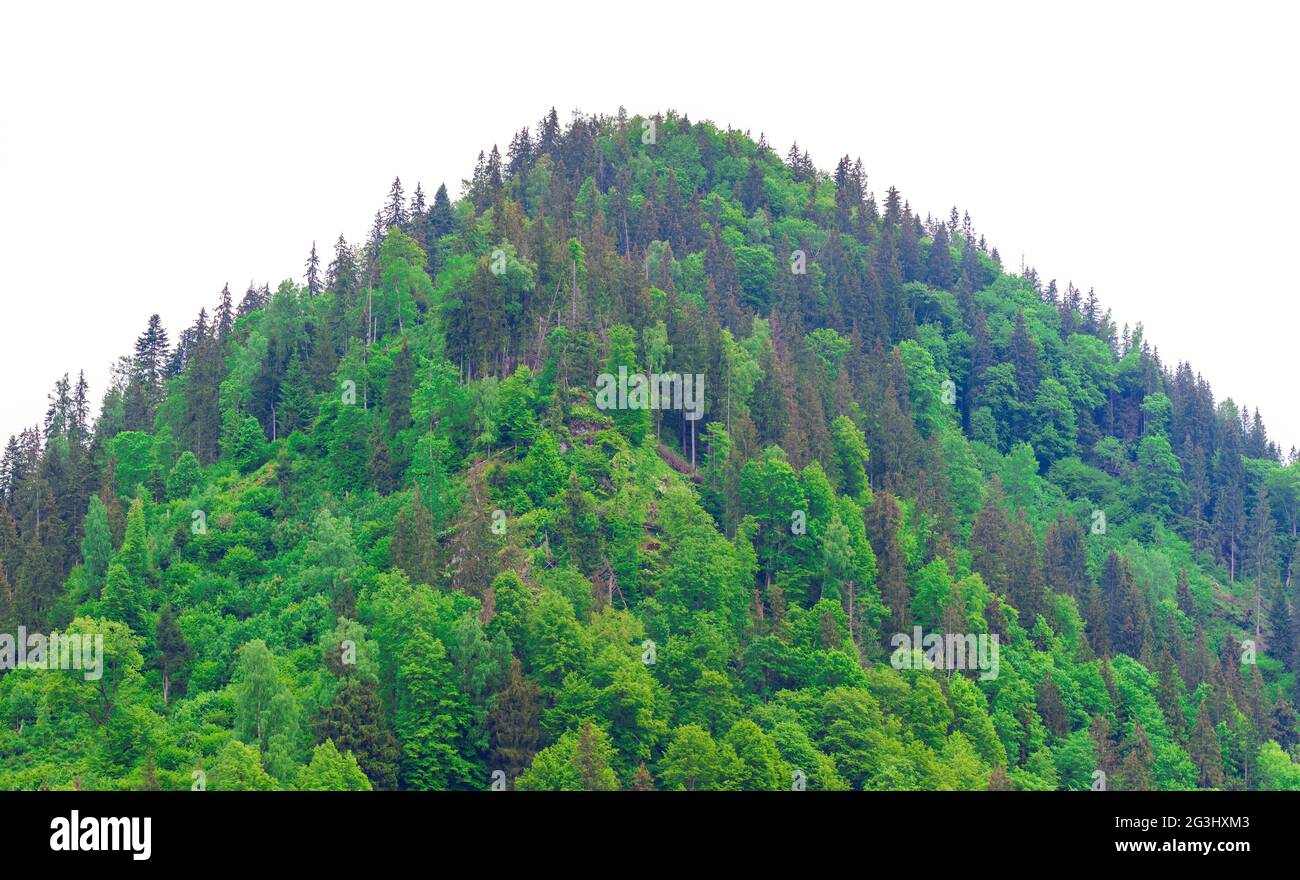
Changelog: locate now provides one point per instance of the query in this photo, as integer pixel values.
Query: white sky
(150, 154)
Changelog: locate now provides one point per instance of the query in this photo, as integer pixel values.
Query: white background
(150, 154)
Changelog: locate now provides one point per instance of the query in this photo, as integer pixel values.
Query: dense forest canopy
(376, 530)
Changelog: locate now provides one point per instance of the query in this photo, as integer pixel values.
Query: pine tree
(313, 272)
(593, 767)
(1229, 502)
(990, 541)
(1025, 574)
(939, 269)
(441, 216)
(395, 211)
(1136, 771)
(1183, 594)
(1052, 708)
(1126, 611)
(883, 520)
(151, 352)
(380, 467)
(124, 597)
(753, 192)
(97, 543)
(296, 404)
(356, 722)
(1282, 642)
(201, 425)
(397, 392)
(1205, 751)
(1259, 547)
(174, 652)
(1024, 357)
(1171, 693)
(414, 542)
(515, 723)
(341, 277)
(1065, 556)
(225, 315)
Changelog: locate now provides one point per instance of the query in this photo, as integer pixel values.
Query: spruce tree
(296, 405)
(313, 272)
(356, 722)
(174, 652)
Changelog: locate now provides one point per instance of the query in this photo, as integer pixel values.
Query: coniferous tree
(395, 211)
(296, 404)
(1183, 594)
(990, 541)
(883, 521)
(174, 652)
(224, 319)
(1259, 548)
(1282, 641)
(397, 393)
(201, 425)
(356, 722)
(939, 268)
(1229, 502)
(97, 543)
(1052, 708)
(380, 467)
(1205, 751)
(1126, 612)
(414, 541)
(1025, 574)
(515, 722)
(1136, 771)
(1024, 357)
(313, 272)
(341, 277)
(1065, 556)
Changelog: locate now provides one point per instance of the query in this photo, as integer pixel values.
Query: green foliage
(579, 761)
(331, 771)
(136, 463)
(375, 534)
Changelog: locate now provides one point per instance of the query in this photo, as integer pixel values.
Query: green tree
(759, 761)
(579, 761)
(357, 722)
(693, 761)
(249, 452)
(174, 652)
(267, 713)
(431, 717)
(97, 542)
(296, 404)
(239, 768)
(330, 770)
(186, 476)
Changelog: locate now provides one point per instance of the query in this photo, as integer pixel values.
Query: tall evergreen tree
(313, 272)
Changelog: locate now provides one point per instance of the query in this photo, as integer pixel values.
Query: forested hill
(385, 528)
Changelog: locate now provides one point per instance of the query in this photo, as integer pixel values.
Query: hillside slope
(405, 525)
